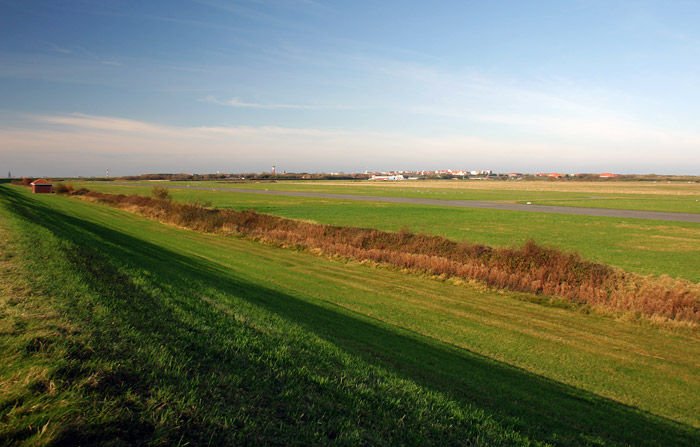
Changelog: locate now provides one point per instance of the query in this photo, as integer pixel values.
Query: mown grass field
(121, 330)
(641, 246)
(648, 196)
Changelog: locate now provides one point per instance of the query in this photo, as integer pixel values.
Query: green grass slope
(117, 330)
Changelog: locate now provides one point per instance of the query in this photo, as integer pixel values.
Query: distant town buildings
(550, 175)
(415, 175)
(485, 174)
(387, 177)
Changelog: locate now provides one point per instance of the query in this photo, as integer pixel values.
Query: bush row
(62, 188)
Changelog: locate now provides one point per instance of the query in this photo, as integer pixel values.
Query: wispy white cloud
(48, 131)
(79, 123)
(56, 49)
(258, 14)
(237, 102)
(611, 129)
(83, 121)
(551, 109)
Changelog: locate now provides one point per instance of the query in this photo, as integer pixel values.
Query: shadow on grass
(539, 408)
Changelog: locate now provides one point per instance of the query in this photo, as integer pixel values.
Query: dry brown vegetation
(529, 268)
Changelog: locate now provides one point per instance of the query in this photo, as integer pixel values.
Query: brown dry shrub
(63, 188)
(161, 193)
(80, 192)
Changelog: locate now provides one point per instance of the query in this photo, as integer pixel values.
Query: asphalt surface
(599, 212)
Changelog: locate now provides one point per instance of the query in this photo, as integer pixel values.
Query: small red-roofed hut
(42, 186)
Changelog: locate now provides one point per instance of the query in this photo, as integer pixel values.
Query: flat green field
(120, 330)
(642, 246)
(647, 196)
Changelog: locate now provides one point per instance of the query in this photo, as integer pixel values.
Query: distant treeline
(307, 176)
(243, 176)
(529, 268)
(435, 176)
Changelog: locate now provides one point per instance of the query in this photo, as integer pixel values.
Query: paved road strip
(598, 212)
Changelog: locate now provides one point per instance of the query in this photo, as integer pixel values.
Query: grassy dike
(119, 330)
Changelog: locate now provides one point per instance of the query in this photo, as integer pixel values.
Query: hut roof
(42, 181)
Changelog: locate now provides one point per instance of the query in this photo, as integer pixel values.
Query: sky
(208, 86)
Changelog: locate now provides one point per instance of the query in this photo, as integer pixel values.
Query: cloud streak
(56, 49)
(80, 122)
(237, 102)
(83, 121)
(147, 147)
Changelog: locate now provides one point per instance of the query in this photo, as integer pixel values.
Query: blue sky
(308, 85)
